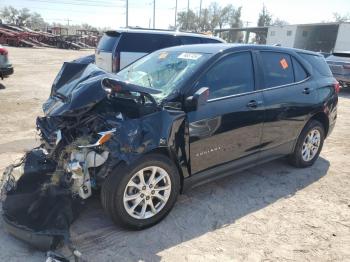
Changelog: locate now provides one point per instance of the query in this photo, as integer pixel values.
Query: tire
(116, 188)
(299, 157)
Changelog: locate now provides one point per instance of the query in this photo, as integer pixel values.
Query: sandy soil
(272, 212)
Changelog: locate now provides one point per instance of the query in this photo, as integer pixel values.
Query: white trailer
(322, 37)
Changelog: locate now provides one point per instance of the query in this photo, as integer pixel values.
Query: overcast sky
(111, 13)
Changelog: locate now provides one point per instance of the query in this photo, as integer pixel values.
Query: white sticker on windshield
(192, 56)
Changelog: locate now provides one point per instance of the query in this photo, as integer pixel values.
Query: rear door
(229, 126)
(105, 49)
(290, 96)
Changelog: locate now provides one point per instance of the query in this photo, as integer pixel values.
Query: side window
(189, 40)
(145, 43)
(277, 68)
(232, 75)
(299, 71)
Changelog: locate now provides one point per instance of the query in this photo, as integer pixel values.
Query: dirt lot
(272, 212)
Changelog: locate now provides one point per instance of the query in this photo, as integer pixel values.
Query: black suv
(174, 119)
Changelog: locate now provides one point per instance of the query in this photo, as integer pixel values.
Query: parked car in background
(339, 62)
(6, 68)
(119, 48)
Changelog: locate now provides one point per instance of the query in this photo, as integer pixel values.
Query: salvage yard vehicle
(172, 120)
(339, 62)
(6, 68)
(117, 49)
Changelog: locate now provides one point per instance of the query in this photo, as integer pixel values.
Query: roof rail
(165, 30)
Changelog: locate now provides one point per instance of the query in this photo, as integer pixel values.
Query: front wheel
(141, 195)
(309, 145)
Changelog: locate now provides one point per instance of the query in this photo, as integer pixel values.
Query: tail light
(3, 51)
(347, 66)
(116, 63)
(337, 87)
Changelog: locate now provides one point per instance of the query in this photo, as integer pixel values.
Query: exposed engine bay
(93, 122)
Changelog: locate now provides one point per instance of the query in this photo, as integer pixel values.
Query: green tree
(341, 18)
(23, 17)
(265, 19)
(9, 14)
(36, 22)
(279, 22)
(187, 21)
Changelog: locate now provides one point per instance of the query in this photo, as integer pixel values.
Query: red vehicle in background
(6, 68)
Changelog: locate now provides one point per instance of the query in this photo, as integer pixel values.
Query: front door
(229, 126)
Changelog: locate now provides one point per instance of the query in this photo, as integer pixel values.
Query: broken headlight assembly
(83, 159)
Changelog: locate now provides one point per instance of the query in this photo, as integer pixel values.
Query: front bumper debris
(36, 207)
(40, 240)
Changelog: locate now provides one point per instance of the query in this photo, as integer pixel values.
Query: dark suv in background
(120, 48)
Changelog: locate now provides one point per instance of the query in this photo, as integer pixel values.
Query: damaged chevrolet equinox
(174, 119)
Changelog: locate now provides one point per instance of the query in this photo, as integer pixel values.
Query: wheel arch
(323, 119)
(171, 155)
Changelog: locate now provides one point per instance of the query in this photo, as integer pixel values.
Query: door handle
(307, 91)
(254, 104)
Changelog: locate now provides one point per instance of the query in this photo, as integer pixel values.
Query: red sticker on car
(284, 63)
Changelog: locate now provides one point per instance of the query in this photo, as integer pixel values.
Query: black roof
(162, 32)
(216, 48)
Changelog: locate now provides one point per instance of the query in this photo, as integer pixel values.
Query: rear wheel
(309, 145)
(141, 195)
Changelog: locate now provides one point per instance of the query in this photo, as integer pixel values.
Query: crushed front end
(86, 132)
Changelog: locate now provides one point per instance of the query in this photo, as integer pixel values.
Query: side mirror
(199, 98)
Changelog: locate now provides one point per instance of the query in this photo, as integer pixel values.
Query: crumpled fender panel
(163, 129)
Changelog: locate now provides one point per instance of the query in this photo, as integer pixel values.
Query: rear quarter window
(299, 72)
(318, 63)
(108, 41)
(145, 43)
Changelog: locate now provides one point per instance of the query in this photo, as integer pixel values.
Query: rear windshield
(108, 41)
(318, 63)
(145, 43)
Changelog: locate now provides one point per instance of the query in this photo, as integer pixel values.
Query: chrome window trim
(230, 96)
(259, 90)
(294, 83)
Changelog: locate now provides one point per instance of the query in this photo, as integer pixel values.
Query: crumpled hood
(76, 87)
(79, 86)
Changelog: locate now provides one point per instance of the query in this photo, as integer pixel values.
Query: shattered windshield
(163, 70)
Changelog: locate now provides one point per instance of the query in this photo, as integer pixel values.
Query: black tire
(114, 186)
(296, 158)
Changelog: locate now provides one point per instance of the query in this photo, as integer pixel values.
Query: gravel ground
(272, 212)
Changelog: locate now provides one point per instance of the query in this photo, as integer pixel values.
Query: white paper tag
(191, 56)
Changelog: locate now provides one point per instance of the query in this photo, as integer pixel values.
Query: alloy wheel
(311, 145)
(147, 192)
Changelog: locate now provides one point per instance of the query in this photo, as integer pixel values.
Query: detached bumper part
(36, 208)
(38, 240)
